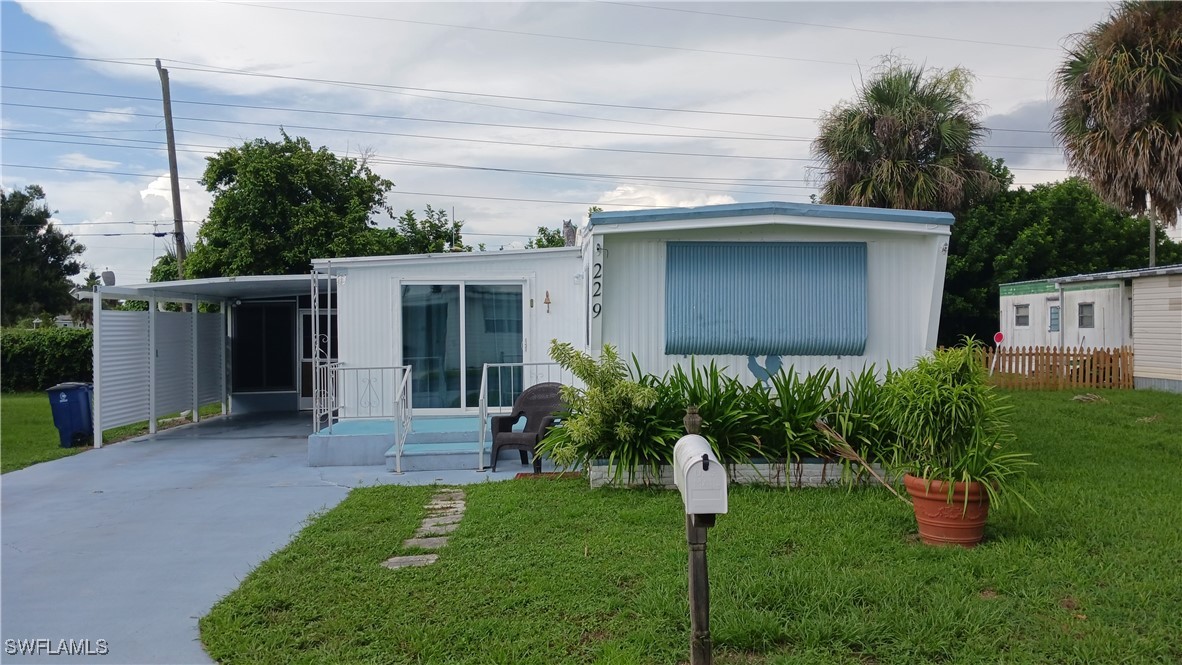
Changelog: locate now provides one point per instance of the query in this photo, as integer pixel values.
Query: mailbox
(699, 476)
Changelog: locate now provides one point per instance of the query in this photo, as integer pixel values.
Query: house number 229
(596, 289)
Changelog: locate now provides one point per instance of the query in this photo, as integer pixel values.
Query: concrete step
(444, 429)
(429, 437)
(437, 456)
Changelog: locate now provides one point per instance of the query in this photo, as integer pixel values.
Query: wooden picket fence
(1045, 367)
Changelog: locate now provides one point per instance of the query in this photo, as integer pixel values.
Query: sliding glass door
(492, 334)
(450, 330)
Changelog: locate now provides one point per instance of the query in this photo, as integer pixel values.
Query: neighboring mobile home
(1138, 308)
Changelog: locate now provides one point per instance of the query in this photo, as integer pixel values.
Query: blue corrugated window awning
(770, 298)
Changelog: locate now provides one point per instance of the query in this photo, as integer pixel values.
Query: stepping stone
(417, 560)
(426, 543)
(451, 493)
(442, 519)
(445, 505)
(436, 530)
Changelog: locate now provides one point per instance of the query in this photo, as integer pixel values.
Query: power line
(580, 39)
(77, 170)
(830, 27)
(109, 221)
(381, 86)
(159, 234)
(522, 33)
(379, 159)
(432, 137)
(393, 193)
(376, 116)
(503, 198)
(425, 136)
(672, 183)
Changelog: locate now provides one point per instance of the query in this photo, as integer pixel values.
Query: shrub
(798, 404)
(611, 418)
(37, 359)
(858, 414)
(733, 415)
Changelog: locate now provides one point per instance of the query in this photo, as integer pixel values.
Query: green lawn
(544, 571)
(27, 434)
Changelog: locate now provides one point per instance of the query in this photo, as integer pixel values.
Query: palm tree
(907, 140)
(1120, 111)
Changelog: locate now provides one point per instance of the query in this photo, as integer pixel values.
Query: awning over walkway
(217, 289)
(150, 363)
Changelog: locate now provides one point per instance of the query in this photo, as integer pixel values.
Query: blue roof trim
(815, 210)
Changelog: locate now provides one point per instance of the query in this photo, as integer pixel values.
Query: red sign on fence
(998, 337)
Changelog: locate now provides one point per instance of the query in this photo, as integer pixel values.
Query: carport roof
(246, 287)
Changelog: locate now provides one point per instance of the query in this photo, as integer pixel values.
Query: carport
(245, 343)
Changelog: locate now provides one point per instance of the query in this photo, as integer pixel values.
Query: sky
(510, 115)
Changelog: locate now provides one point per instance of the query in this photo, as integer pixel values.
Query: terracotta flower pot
(942, 522)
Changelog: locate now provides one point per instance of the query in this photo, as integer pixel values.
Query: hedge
(38, 359)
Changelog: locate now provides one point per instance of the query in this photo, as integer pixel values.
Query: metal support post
(701, 648)
(194, 323)
(152, 365)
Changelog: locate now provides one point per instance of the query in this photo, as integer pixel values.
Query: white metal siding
(125, 383)
(174, 362)
(369, 306)
(902, 295)
(1157, 327)
(123, 389)
(211, 350)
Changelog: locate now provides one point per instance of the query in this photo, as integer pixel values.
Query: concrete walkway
(134, 542)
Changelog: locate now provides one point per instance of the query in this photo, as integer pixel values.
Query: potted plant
(951, 443)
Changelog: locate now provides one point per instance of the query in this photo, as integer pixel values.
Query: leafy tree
(434, 233)
(908, 139)
(1120, 112)
(279, 204)
(1051, 230)
(38, 258)
(82, 311)
(547, 238)
(164, 269)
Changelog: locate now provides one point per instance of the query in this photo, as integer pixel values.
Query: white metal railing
(404, 407)
(510, 380)
(374, 393)
(370, 392)
(324, 393)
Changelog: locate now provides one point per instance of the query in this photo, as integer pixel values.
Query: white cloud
(77, 160)
(111, 116)
(299, 42)
(649, 198)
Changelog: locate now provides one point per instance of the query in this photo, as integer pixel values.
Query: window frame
(1091, 320)
(1020, 312)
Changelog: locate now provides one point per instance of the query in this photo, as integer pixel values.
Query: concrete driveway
(131, 544)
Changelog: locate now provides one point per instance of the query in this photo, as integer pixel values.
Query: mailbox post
(701, 479)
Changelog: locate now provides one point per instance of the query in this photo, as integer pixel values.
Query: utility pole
(177, 222)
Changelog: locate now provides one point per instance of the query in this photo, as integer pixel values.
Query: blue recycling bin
(71, 405)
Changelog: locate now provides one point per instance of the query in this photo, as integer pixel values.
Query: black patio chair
(538, 404)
